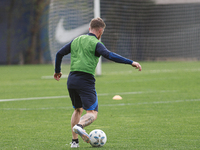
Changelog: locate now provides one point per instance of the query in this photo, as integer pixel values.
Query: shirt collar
(91, 34)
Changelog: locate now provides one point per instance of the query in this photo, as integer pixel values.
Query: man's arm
(63, 51)
(102, 50)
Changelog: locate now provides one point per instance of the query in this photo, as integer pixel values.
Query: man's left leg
(74, 120)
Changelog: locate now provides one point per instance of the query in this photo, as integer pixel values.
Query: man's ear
(100, 30)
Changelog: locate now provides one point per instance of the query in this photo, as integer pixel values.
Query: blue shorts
(81, 87)
(83, 98)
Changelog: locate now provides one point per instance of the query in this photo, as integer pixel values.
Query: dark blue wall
(21, 17)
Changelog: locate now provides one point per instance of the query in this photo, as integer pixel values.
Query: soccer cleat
(82, 133)
(74, 145)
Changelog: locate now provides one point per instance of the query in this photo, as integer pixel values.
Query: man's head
(97, 27)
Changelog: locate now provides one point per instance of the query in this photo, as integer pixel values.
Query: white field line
(109, 105)
(152, 71)
(32, 98)
(51, 77)
(148, 103)
(103, 94)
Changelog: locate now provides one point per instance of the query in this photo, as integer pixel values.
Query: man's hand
(137, 65)
(57, 76)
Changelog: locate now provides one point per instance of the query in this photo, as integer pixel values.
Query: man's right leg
(85, 120)
(88, 118)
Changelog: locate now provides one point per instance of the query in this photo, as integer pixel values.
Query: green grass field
(160, 109)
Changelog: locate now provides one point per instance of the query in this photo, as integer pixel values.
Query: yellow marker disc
(117, 97)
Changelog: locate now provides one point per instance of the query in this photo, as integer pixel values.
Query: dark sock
(75, 140)
(80, 125)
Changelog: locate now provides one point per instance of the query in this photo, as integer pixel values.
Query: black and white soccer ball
(98, 138)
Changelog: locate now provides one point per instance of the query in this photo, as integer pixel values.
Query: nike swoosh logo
(63, 36)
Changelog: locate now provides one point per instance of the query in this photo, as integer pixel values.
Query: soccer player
(85, 52)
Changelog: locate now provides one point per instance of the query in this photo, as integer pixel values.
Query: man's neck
(94, 34)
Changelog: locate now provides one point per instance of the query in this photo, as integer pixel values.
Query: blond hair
(97, 23)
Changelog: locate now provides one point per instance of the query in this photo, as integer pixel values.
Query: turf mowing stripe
(103, 94)
(110, 105)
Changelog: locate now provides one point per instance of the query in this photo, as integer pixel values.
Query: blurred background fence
(142, 30)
